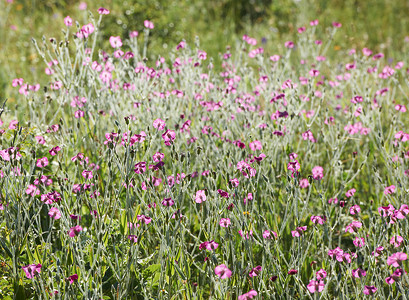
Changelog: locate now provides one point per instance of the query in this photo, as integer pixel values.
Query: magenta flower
(389, 190)
(396, 241)
(133, 238)
(115, 41)
(255, 271)
(72, 278)
(42, 162)
(148, 24)
(317, 173)
(321, 274)
(144, 219)
(159, 124)
(103, 11)
(54, 151)
(169, 136)
(396, 259)
(395, 276)
(369, 290)
(74, 231)
(292, 272)
(68, 21)
(87, 174)
(316, 286)
(267, 234)
(168, 202)
(248, 295)
(318, 219)
(140, 167)
(355, 209)
(223, 193)
(222, 271)
(255, 145)
(210, 245)
(350, 193)
(200, 196)
(359, 242)
(358, 273)
(225, 222)
(304, 183)
(54, 213)
(353, 227)
(158, 157)
(32, 270)
(298, 231)
(289, 44)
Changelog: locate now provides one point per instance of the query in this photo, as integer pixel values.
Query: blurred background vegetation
(378, 24)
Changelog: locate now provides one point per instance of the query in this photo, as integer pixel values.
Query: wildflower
(72, 278)
(200, 196)
(316, 286)
(358, 273)
(169, 136)
(353, 227)
(144, 218)
(148, 24)
(157, 157)
(74, 231)
(292, 272)
(103, 11)
(248, 295)
(115, 41)
(304, 183)
(32, 270)
(395, 276)
(396, 259)
(389, 190)
(298, 231)
(396, 241)
(225, 222)
(317, 173)
(359, 242)
(369, 290)
(318, 219)
(133, 238)
(222, 271)
(321, 274)
(350, 193)
(255, 145)
(355, 209)
(255, 271)
(54, 213)
(68, 21)
(267, 234)
(42, 162)
(168, 202)
(54, 151)
(224, 194)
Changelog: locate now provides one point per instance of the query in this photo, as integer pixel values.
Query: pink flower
(396, 259)
(42, 162)
(223, 193)
(359, 242)
(225, 222)
(255, 145)
(40, 139)
(200, 196)
(169, 136)
(68, 21)
(267, 234)
(298, 231)
(321, 274)
(144, 219)
(355, 209)
(222, 271)
(115, 41)
(32, 270)
(316, 286)
(358, 273)
(289, 44)
(103, 11)
(389, 190)
(54, 151)
(353, 227)
(396, 241)
(318, 219)
(350, 193)
(369, 290)
(159, 124)
(304, 183)
(74, 231)
(133, 238)
(292, 272)
(168, 202)
(248, 295)
(255, 271)
(73, 278)
(54, 213)
(395, 276)
(82, 6)
(148, 24)
(317, 173)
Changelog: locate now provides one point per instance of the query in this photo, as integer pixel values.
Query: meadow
(281, 172)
